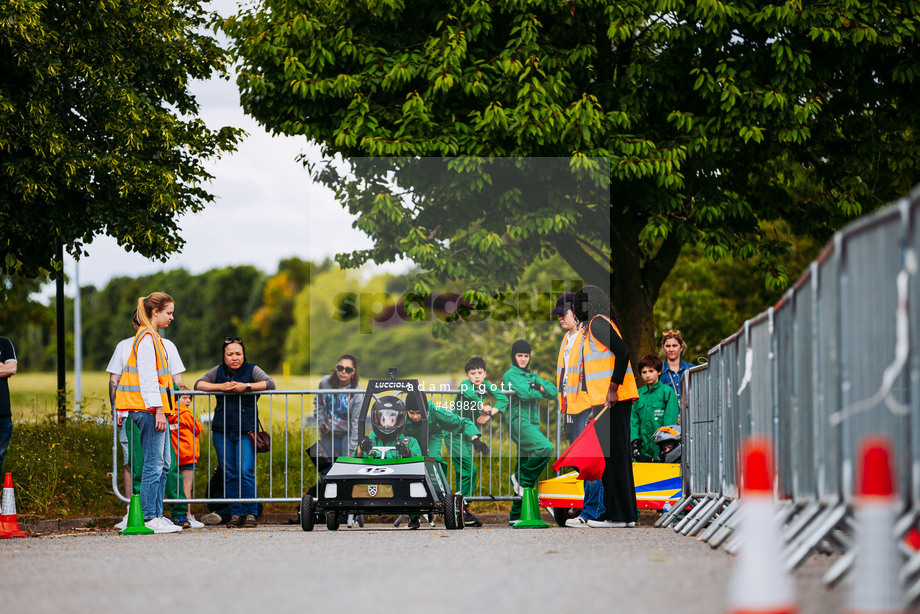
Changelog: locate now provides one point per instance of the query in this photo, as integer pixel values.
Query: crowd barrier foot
(801, 520)
(705, 517)
(719, 521)
(824, 523)
(701, 504)
(671, 514)
(725, 532)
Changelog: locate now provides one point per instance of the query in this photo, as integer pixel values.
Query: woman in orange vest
(599, 378)
(145, 390)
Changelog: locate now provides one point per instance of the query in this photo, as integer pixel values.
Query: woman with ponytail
(145, 391)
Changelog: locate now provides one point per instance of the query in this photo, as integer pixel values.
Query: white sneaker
(579, 522)
(162, 525)
(195, 524)
(609, 524)
(121, 526)
(516, 486)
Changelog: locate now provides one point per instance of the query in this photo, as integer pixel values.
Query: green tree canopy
(714, 117)
(98, 128)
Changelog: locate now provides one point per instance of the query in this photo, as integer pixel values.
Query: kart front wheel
(332, 521)
(561, 514)
(307, 511)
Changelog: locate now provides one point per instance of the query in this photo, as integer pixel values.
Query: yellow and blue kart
(658, 487)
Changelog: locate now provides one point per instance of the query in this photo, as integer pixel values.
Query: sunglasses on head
(670, 333)
(344, 369)
(232, 340)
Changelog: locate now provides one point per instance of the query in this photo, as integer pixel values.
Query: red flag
(584, 454)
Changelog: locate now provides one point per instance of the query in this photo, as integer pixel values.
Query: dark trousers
(619, 489)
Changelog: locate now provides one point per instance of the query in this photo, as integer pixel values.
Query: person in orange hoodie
(184, 429)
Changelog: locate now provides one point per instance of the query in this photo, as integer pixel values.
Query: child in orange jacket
(184, 429)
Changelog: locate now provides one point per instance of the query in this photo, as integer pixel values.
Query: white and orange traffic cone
(8, 520)
(875, 584)
(759, 582)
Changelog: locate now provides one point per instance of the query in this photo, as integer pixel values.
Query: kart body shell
(365, 486)
(658, 487)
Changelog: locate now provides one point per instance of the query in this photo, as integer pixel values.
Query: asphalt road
(379, 568)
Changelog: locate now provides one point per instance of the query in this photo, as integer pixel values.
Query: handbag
(261, 440)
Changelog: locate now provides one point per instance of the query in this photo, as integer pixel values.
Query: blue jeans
(6, 431)
(238, 458)
(593, 506)
(156, 447)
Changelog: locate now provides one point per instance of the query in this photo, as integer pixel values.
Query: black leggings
(619, 489)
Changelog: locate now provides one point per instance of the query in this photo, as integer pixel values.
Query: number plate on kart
(372, 491)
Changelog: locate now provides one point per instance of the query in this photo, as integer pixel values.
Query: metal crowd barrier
(287, 472)
(835, 360)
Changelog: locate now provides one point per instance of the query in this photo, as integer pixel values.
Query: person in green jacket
(388, 417)
(472, 404)
(441, 423)
(534, 449)
(656, 407)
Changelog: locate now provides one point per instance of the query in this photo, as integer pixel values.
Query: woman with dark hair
(599, 378)
(337, 414)
(235, 416)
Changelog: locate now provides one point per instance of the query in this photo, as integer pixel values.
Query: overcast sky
(266, 208)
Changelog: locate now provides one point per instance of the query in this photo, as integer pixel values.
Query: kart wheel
(458, 511)
(360, 520)
(561, 514)
(332, 521)
(307, 511)
(450, 513)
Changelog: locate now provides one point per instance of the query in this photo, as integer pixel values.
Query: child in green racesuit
(655, 407)
(388, 419)
(441, 423)
(534, 449)
(471, 404)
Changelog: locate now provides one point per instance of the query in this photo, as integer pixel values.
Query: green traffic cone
(530, 512)
(136, 524)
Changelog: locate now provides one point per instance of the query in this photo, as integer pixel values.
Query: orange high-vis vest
(128, 392)
(588, 373)
(184, 429)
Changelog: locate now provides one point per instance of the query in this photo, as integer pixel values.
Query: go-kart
(376, 486)
(658, 487)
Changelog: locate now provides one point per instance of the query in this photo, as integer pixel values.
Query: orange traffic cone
(875, 579)
(759, 583)
(8, 521)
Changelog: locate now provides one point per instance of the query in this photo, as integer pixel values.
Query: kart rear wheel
(561, 514)
(450, 518)
(453, 512)
(307, 511)
(332, 521)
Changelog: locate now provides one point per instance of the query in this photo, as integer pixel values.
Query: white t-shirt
(123, 352)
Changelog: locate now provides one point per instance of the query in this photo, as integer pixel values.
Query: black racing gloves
(365, 444)
(403, 450)
(480, 446)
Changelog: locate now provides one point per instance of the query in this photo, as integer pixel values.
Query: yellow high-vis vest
(588, 372)
(128, 392)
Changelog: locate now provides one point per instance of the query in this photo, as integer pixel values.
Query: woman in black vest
(235, 416)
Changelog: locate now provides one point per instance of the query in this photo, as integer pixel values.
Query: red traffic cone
(875, 579)
(8, 521)
(759, 583)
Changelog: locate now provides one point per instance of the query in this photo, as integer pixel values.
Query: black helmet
(668, 440)
(388, 418)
